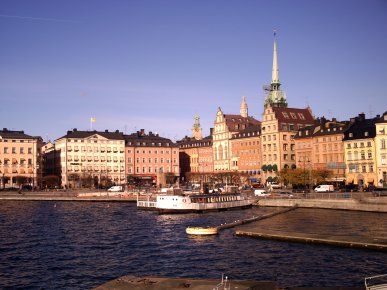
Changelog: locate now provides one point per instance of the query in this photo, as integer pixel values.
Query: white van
(324, 188)
(261, 192)
(115, 188)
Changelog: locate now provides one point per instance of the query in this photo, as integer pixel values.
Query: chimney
(75, 130)
(142, 131)
(361, 117)
(106, 131)
(211, 131)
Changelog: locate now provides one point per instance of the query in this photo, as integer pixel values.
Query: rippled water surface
(80, 245)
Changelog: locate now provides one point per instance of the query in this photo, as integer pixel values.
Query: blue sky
(155, 64)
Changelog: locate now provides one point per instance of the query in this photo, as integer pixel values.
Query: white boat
(186, 203)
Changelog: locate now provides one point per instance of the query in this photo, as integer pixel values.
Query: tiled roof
(293, 115)
(251, 131)
(9, 134)
(236, 123)
(322, 127)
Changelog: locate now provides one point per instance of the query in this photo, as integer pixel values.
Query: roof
(147, 140)
(10, 134)
(251, 131)
(117, 135)
(190, 142)
(293, 115)
(361, 128)
(323, 127)
(236, 123)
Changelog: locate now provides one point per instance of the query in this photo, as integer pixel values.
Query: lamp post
(305, 159)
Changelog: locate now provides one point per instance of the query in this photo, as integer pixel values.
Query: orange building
(320, 146)
(151, 159)
(20, 159)
(246, 152)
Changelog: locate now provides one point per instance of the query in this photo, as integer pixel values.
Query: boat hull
(193, 210)
(201, 231)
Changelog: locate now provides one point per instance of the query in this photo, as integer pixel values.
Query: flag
(93, 120)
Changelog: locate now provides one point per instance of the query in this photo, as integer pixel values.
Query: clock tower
(196, 129)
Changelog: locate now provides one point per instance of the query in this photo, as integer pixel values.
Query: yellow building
(381, 150)
(20, 159)
(360, 152)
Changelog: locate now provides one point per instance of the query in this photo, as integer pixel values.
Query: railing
(218, 205)
(149, 204)
(378, 282)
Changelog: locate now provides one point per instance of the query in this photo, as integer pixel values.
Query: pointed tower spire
(275, 97)
(275, 72)
(244, 110)
(197, 129)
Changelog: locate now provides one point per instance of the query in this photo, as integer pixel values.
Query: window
(21, 150)
(293, 115)
(5, 150)
(13, 150)
(382, 144)
(285, 114)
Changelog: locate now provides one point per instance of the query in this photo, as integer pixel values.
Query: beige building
(381, 150)
(86, 155)
(279, 126)
(20, 159)
(225, 126)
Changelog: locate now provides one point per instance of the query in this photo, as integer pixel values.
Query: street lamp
(2, 179)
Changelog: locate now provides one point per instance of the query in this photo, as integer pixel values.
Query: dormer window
(285, 114)
(350, 135)
(366, 134)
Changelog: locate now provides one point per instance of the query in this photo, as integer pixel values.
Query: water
(80, 245)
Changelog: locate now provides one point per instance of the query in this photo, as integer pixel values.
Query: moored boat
(188, 203)
(201, 230)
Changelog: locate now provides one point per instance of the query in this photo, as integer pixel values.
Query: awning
(14, 161)
(22, 171)
(30, 170)
(14, 170)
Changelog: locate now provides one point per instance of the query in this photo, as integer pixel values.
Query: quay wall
(368, 204)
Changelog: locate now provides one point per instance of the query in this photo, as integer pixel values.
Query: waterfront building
(381, 150)
(150, 159)
(196, 156)
(91, 158)
(225, 126)
(360, 151)
(246, 153)
(20, 159)
(320, 146)
(279, 126)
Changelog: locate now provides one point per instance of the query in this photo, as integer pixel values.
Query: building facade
(225, 126)
(91, 157)
(360, 152)
(20, 159)
(151, 159)
(246, 152)
(320, 146)
(381, 150)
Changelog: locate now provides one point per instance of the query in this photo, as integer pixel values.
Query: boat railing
(146, 203)
(378, 282)
(217, 205)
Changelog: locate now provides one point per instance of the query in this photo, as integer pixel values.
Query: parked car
(349, 188)
(258, 185)
(115, 188)
(261, 192)
(273, 185)
(300, 188)
(324, 188)
(285, 194)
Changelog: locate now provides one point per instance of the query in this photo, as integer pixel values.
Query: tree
(275, 167)
(269, 168)
(51, 181)
(20, 180)
(264, 167)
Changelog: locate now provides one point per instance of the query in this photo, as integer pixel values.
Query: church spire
(275, 72)
(275, 97)
(244, 110)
